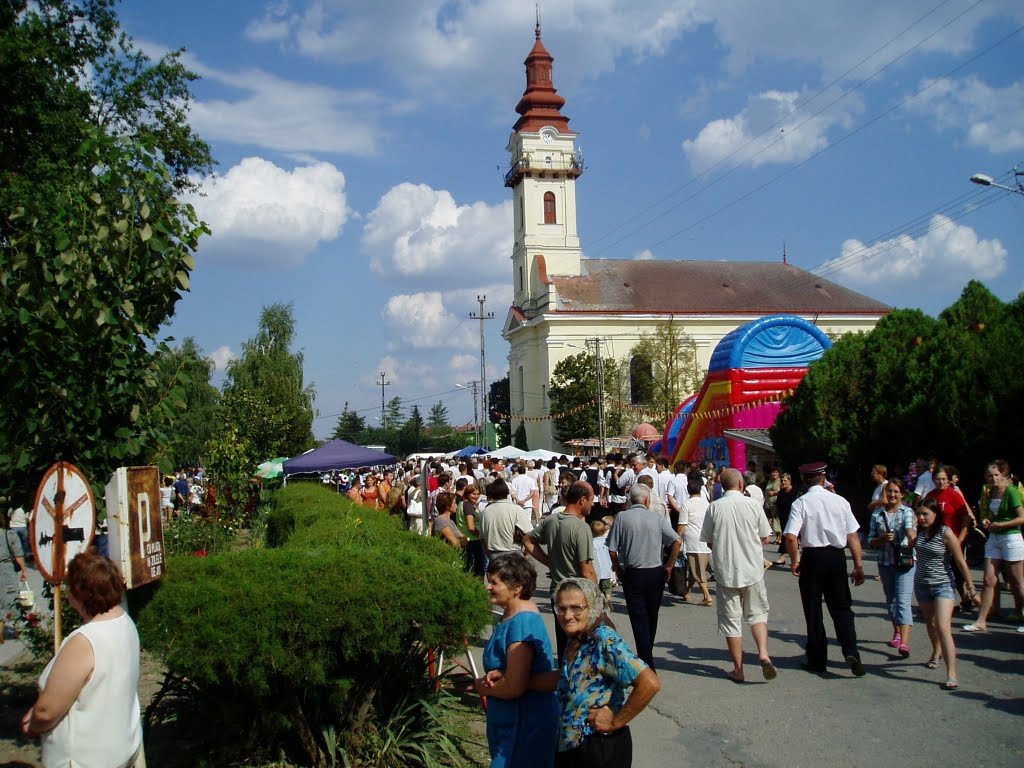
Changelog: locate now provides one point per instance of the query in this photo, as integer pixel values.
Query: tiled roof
(705, 287)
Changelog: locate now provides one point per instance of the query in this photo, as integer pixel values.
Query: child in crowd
(602, 560)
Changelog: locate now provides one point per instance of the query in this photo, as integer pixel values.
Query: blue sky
(361, 152)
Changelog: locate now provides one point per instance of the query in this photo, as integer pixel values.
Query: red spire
(541, 103)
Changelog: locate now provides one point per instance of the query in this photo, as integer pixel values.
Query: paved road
(897, 715)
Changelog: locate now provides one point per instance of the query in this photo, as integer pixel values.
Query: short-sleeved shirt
(1008, 510)
(462, 523)
(523, 487)
(498, 524)
(694, 510)
(734, 526)
(898, 522)
(953, 507)
(598, 676)
(440, 523)
(568, 542)
(821, 519)
(638, 537)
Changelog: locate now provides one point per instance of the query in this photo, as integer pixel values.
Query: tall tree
(437, 419)
(95, 247)
(664, 368)
(394, 415)
(196, 422)
(573, 394)
(409, 438)
(351, 426)
(265, 396)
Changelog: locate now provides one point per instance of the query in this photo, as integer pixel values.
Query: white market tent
(540, 453)
(508, 452)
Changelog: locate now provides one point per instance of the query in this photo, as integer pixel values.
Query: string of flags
(716, 413)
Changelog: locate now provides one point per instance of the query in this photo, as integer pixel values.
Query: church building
(562, 302)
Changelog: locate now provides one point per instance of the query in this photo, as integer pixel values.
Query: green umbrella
(271, 469)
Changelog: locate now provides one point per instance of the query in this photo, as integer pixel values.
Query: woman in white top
(87, 713)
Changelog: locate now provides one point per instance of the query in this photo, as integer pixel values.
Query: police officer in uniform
(824, 525)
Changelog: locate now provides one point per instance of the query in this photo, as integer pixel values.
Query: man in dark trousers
(823, 524)
(635, 544)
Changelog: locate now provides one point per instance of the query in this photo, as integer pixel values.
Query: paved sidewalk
(896, 715)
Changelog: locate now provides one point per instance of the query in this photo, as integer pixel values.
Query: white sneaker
(1020, 629)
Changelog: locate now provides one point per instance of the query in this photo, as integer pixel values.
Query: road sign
(135, 529)
(63, 520)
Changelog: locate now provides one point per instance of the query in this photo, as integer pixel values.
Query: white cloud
(774, 127)
(990, 118)
(289, 115)
(221, 356)
(460, 48)
(644, 255)
(416, 230)
(949, 249)
(465, 47)
(837, 33)
(423, 321)
(403, 372)
(265, 215)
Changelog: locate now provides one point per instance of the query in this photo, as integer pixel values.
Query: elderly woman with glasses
(599, 667)
(892, 526)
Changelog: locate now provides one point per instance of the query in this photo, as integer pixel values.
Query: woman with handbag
(892, 533)
(936, 547)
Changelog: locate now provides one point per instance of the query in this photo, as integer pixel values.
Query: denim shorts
(927, 593)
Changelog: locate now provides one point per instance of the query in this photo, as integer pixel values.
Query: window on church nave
(549, 208)
(641, 380)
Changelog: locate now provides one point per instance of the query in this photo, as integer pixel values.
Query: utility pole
(482, 316)
(599, 366)
(383, 423)
(476, 418)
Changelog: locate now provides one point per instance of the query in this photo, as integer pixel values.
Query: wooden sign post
(134, 526)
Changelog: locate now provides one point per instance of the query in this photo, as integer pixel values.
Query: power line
(839, 141)
(771, 127)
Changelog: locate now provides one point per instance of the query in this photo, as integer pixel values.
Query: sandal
(904, 651)
(951, 685)
(707, 602)
(932, 663)
(974, 628)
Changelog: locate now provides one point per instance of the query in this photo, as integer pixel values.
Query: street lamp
(476, 417)
(987, 181)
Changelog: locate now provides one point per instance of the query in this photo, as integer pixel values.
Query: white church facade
(562, 301)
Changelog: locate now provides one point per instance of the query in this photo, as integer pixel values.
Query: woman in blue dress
(522, 712)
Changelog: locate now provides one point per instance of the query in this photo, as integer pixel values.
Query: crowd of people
(625, 524)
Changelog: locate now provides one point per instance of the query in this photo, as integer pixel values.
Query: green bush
(322, 629)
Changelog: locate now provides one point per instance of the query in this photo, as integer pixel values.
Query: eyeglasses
(575, 610)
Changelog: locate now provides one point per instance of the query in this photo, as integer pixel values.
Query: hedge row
(320, 629)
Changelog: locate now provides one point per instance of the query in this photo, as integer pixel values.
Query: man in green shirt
(568, 544)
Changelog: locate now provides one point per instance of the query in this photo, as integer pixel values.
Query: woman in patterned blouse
(598, 668)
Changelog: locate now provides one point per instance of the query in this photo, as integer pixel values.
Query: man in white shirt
(823, 524)
(665, 485)
(735, 528)
(925, 484)
(525, 492)
(648, 468)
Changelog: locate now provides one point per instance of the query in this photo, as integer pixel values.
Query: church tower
(543, 166)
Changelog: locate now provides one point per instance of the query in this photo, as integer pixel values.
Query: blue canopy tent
(337, 454)
(471, 450)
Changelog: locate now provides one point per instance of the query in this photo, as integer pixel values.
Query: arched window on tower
(641, 380)
(549, 208)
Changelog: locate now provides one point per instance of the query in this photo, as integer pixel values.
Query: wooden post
(57, 633)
